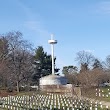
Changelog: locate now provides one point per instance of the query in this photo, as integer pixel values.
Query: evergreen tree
(43, 63)
(70, 70)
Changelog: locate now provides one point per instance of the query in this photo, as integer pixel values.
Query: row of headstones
(44, 102)
(101, 93)
(48, 101)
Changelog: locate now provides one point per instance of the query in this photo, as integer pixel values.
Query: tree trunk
(17, 86)
(28, 86)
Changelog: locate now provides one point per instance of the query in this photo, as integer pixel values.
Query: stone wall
(69, 88)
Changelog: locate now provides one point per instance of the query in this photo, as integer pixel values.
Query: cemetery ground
(101, 94)
(37, 100)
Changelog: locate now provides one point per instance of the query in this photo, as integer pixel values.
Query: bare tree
(3, 60)
(3, 48)
(106, 67)
(85, 59)
(72, 79)
(97, 64)
(3, 74)
(91, 78)
(19, 57)
(107, 63)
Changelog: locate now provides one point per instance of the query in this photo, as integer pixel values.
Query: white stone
(53, 80)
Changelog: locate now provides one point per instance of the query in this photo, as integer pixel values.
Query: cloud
(37, 27)
(34, 20)
(34, 25)
(85, 50)
(103, 7)
(90, 51)
(26, 10)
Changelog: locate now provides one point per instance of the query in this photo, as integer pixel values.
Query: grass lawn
(102, 93)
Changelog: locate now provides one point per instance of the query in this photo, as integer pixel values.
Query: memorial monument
(52, 80)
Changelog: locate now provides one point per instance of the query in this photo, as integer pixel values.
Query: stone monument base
(63, 89)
